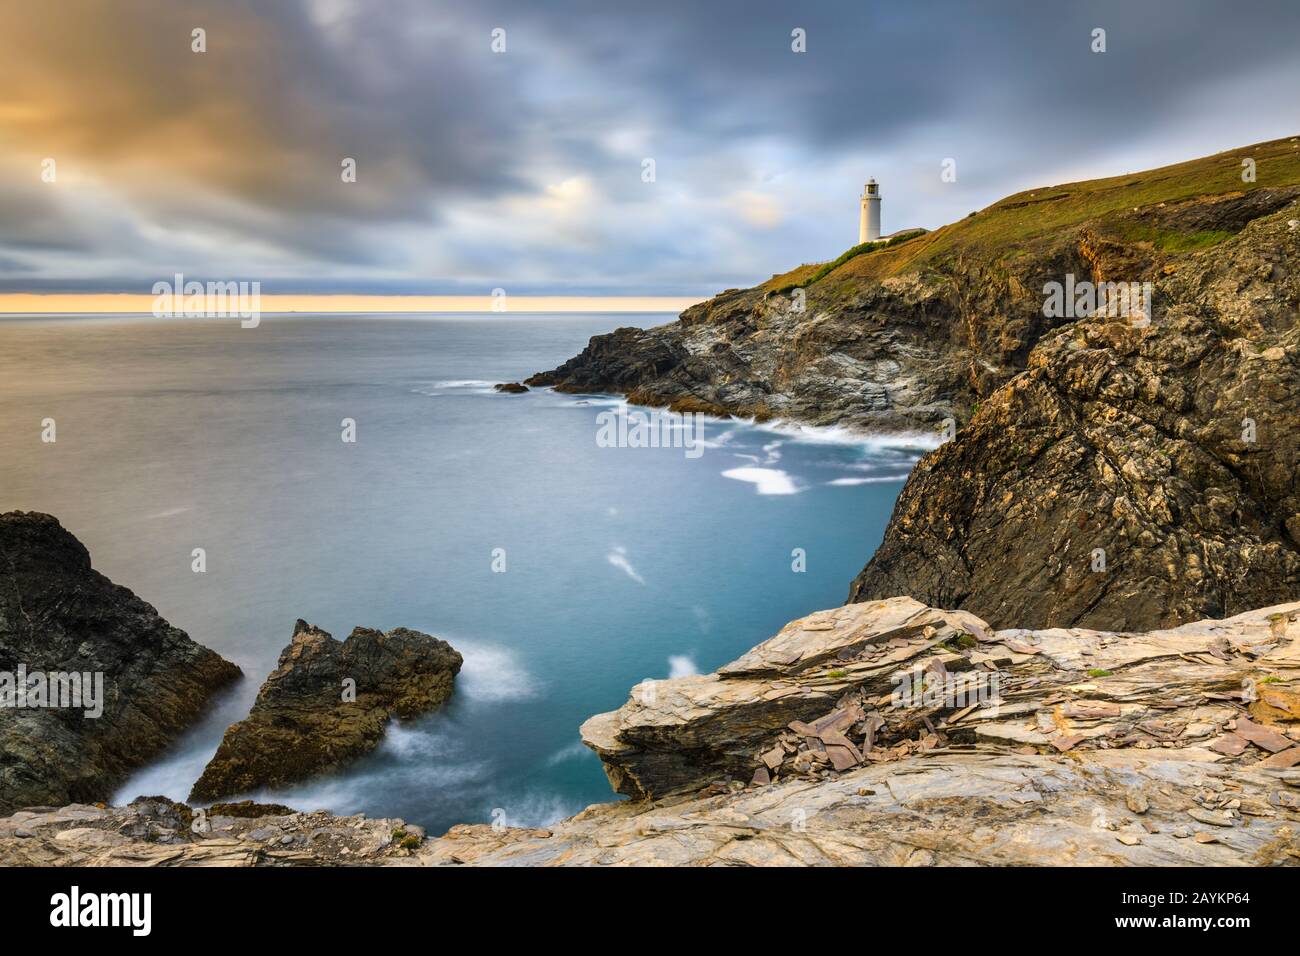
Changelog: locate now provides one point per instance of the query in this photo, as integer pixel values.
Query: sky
(525, 168)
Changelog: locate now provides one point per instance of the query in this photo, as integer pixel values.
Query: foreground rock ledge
(302, 725)
(1173, 747)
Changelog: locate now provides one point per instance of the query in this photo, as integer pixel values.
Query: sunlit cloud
(524, 170)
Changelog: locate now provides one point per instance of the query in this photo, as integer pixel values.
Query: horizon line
(131, 303)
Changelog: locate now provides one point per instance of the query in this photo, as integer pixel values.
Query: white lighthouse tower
(869, 220)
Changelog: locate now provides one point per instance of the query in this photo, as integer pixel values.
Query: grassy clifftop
(1124, 208)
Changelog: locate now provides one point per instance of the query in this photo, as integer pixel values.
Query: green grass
(1009, 226)
(837, 674)
(960, 642)
(826, 268)
(1098, 672)
(1171, 240)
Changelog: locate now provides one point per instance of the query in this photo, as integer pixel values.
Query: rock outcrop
(686, 733)
(154, 831)
(58, 616)
(1131, 477)
(326, 703)
(1172, 747)
(1172, 447)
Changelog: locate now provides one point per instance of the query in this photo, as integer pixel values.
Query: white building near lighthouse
(869, 219)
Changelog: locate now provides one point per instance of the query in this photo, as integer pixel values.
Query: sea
(564, 568)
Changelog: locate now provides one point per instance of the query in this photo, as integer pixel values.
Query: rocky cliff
(1057, 746)
(1169, 444)
(326, 703)
(58, 616)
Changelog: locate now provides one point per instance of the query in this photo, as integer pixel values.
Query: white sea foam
(618, 558)
(681, 665)
(531, 810)
(407, 742)
(453, 386)
(355, 791)
(871, 480)
(768, 481)
(491, 673)
(573, 751)
(839, 435)
(167, 513)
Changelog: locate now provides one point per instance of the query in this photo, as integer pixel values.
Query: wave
(167, 513)
(573, 751)
(492, 673)
(618, 558)
(534, 809)
(841, 435)
(473, 386)
(768, 481)
(872, 480)
(681, 665)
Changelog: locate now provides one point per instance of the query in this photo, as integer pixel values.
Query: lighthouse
(869, 220)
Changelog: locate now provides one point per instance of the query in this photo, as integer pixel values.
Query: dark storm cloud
(524, 167)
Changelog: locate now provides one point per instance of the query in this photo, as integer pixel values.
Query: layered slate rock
(59, 615)
(686, 733)
(154, 831)
(326, 703)
(830, 693)
(1073, 433)
(1165, 748)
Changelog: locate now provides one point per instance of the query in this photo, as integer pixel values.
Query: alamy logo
(1077, 300)
(656, 428)
(103, 909)
(194, 299)
(55, 690)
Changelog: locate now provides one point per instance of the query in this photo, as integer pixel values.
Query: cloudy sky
(524, 169)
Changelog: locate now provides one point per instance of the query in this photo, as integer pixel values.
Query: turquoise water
(621, 563)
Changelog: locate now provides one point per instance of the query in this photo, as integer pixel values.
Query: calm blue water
(622, 563)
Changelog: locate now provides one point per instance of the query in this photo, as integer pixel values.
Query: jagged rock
(680, 734)
(153, 831)
(1143, 703)
(305, 722)
(879, 681)
(57, 614)
(1174, 449)
(1073, 433)
(511, 388)
(249, 809)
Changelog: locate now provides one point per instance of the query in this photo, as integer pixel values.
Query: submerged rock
(511, 388)
(326, 703)
(58, 616)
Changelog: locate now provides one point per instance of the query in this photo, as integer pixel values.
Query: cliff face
(309, 719)
(1174, 449)
(59, 616)
(1090, 431)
